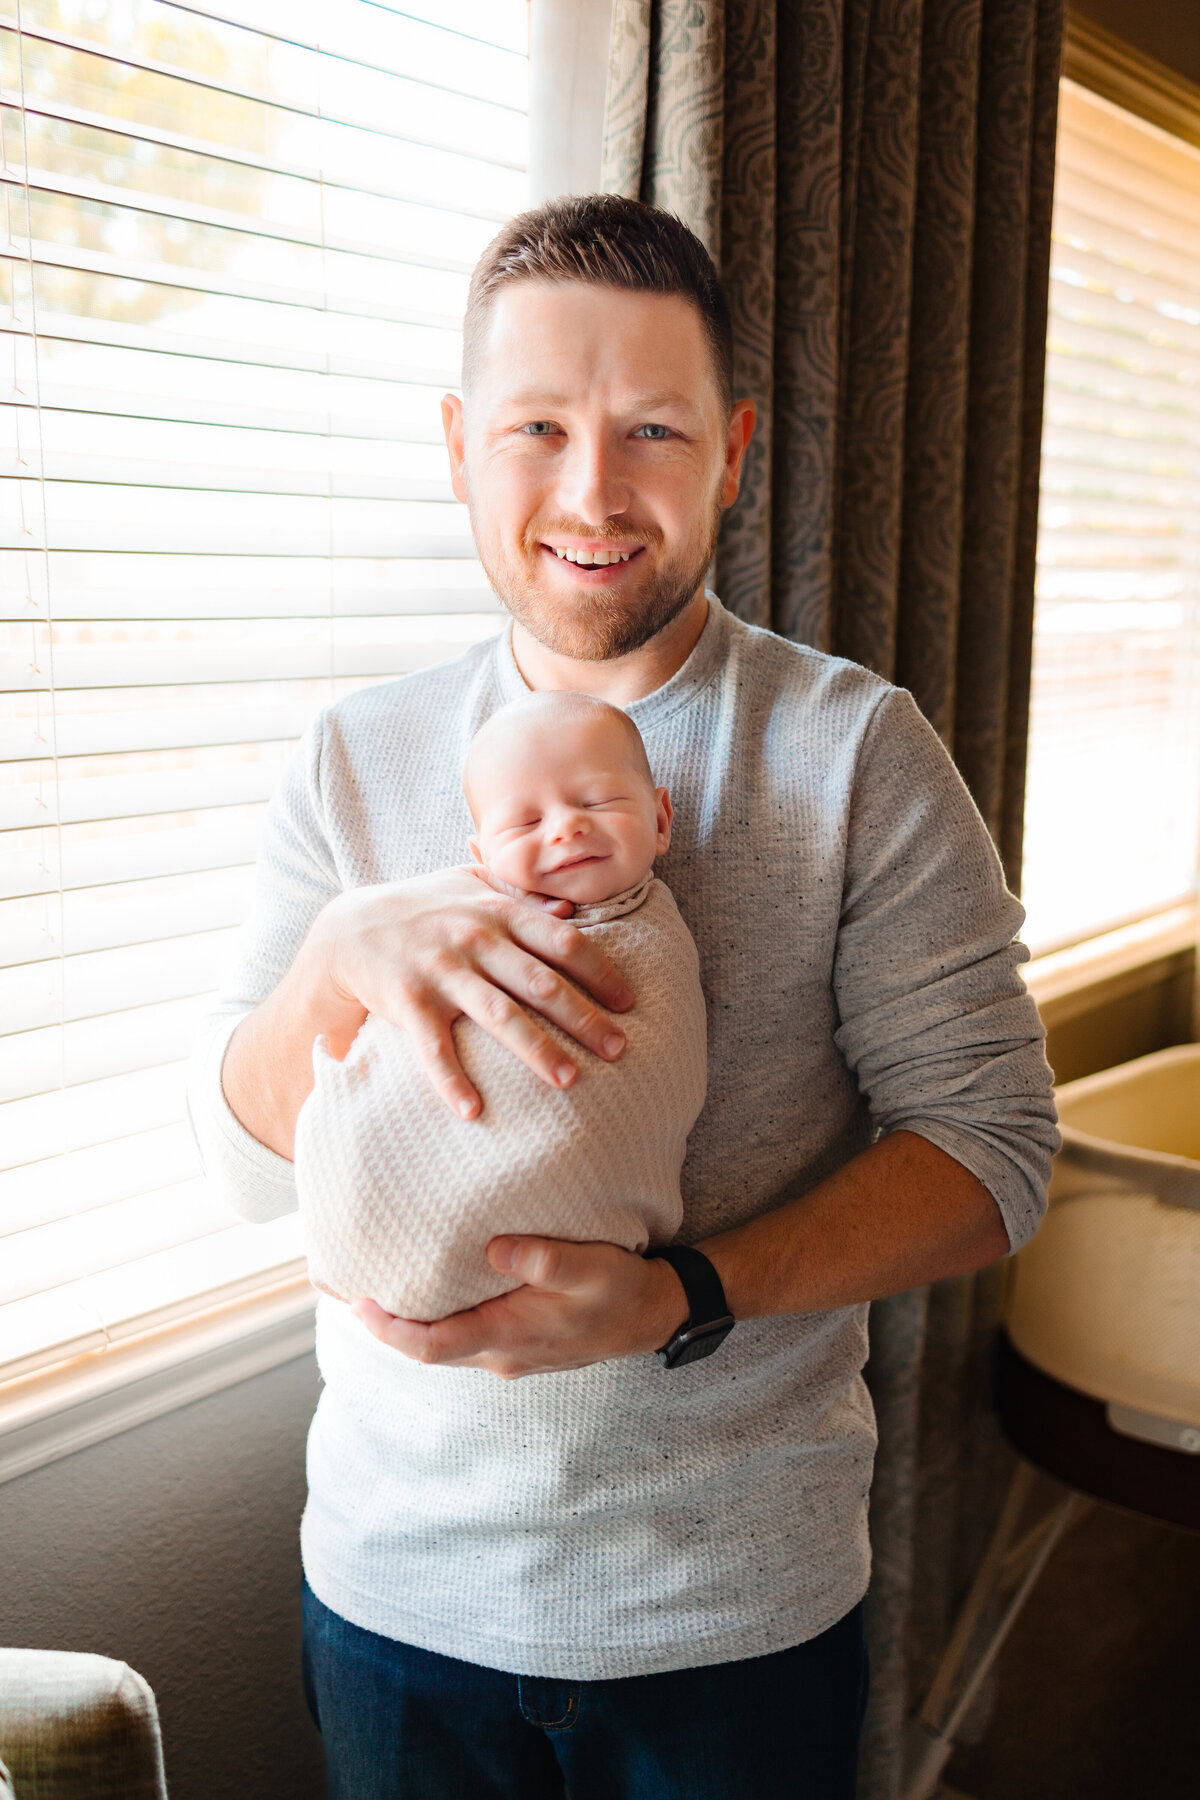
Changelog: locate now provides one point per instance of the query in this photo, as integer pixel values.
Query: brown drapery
(874, 179)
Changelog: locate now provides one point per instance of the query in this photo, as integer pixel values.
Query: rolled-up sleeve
(296, 877)
(936, 1023)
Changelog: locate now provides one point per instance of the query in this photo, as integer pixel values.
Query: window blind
(237, 243)
(1113, 811)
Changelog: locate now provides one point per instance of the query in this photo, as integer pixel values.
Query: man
(644, 1579)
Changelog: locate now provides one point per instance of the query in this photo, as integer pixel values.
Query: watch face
(700, 1343)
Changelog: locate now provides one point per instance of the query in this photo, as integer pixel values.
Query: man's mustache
(599, 534)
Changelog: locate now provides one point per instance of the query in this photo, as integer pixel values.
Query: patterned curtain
(873, 178)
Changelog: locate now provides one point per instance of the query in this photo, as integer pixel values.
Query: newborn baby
(399, 1196)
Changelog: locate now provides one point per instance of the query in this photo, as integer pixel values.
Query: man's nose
(592, 483)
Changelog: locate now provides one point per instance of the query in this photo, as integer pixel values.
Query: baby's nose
(568, 821)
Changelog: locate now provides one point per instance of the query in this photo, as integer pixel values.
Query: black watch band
(709, 1319)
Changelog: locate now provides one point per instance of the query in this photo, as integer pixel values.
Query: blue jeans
(406, 1724)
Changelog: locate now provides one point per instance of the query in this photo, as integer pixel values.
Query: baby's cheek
(515, 863)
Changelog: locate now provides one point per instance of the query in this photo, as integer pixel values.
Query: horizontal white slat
(71, 373)
(85, 226)
(179, 585)
(299, 140)
(92, 516)
(1161, 432)
(60, 1186)
(1100, 465)
(126, 849)
(1122, 585)
(216, 336)
(1132, 323)
(351, 34)
(96, 1112)
(36, 1062)
(162, 653)
(174, 601)
(60, 466)
(1108, 548)
(210, 779)
(145, 1292)
(1139, 291)
(126, 912)
(1108, 145)
(282, 69)
(100, 1239)
(99, 292)
(214, 452)
(99, 983)
(405, 172)
(1099, 353)
(1099, 482)
(140, 725)
(1144, 243)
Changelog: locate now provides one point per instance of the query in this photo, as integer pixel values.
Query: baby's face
(563, 808)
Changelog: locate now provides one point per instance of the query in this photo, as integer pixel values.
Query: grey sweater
(860, 972)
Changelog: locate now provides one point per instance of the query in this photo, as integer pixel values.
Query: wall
(1168, 30)
(174, 1547)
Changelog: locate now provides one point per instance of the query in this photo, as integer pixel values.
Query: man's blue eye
(539, 427)
(656, 433)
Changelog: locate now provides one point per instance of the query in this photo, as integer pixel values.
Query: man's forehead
(545, 338)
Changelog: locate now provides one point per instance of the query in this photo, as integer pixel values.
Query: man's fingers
(561, 909)
(543, 988)
(500, 1016)
(552, 1263)
(559, 942)
(455, 1339)
(433, 1042)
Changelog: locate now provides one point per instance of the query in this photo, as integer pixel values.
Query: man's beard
(598, 626)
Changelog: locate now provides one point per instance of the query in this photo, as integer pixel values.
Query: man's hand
(900, 1213)
(581, 1304)
(423, 953)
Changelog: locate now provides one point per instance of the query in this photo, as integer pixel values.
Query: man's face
(595, 430)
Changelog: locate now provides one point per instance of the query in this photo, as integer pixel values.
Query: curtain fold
(874, 179)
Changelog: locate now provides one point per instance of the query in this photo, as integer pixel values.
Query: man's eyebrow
(643, 403)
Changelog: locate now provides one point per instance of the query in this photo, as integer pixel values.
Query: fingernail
(624, 996)
(614, 1043)
(466, 1109)
(501, 1254)
(564, 1073)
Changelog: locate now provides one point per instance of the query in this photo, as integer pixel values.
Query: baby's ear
(476, 852)
(665, 815)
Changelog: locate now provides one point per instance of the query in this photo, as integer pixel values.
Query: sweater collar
(707, 655)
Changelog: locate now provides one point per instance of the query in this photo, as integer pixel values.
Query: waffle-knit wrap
(400, 1197)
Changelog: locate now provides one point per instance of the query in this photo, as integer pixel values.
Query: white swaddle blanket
(400, 1197)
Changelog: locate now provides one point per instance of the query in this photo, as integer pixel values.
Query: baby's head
(563, 799)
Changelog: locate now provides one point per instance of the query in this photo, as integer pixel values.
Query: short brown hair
(606, 241)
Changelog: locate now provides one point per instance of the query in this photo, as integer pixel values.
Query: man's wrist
(667, 1312)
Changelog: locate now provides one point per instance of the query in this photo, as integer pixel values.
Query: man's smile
(593, 566)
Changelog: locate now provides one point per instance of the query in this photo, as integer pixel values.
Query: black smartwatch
(709, 1321)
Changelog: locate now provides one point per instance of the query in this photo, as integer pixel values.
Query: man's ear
(452, 425)
(741, 430)
(666, 812)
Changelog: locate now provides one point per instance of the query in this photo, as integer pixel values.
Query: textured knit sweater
(399, 1196)
(860, 972)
